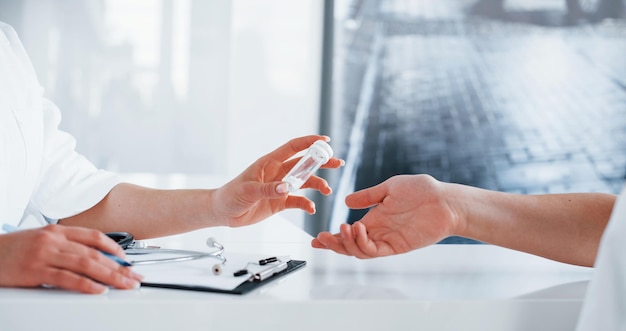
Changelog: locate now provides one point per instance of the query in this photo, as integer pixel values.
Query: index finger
(326, 240)
(93, 238)
(294, 146)
(349, 240)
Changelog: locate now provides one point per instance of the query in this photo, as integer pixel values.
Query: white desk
(443, 287)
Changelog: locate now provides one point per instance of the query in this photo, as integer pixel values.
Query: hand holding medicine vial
(317, 155)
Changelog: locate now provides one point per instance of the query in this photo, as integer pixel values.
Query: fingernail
(282, 188)
(320, 241)
(103, 290)
(136, 276)
(133, 284)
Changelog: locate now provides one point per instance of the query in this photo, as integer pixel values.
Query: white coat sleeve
(69, 183)
(605, 303)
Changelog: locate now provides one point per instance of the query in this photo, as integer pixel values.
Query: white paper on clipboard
(199, 273)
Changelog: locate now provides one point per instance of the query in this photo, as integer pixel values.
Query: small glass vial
(318, 154)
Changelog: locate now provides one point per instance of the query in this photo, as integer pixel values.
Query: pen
(119, 261)
(268, 260)
(269, 272)
(8, 228)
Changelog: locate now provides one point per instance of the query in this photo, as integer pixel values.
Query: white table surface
(442, 287)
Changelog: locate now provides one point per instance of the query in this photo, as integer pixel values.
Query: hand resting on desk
(65, 257)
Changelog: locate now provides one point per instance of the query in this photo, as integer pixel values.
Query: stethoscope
(132, 247)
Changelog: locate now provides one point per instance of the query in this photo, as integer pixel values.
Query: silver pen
(269, 272)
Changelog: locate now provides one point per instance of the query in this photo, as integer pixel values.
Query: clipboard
(245, 287)
(198, 275)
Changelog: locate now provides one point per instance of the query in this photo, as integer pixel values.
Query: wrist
(459, 200)
(213, 215)
(480, 213)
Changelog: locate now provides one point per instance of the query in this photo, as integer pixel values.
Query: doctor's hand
(409, 212)
(258, 192)
(65, 257)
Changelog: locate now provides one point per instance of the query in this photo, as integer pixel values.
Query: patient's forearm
(562, 227)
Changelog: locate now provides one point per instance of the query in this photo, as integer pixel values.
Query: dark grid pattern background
(495, 102)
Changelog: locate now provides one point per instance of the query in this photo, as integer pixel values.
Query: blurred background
(525, 96)
(518, 96)
(176, 93)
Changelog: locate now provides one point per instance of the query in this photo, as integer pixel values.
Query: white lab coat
(42, 177)
(605, 304)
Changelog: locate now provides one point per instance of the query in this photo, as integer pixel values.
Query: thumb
(367, 197)
(273, 190)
